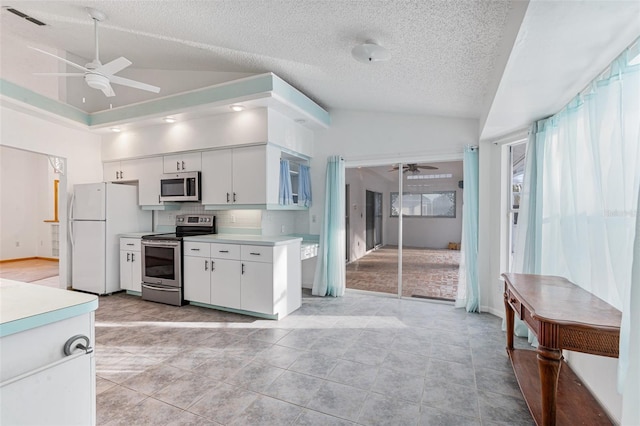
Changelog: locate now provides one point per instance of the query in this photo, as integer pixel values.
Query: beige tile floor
(360, 359)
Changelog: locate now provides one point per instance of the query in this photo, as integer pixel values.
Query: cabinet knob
(68, 349)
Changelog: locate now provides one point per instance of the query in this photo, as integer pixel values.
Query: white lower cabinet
(130, 264)
(259, 279)
(39, 384)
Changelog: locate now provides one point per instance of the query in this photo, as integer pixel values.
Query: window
(427, 204)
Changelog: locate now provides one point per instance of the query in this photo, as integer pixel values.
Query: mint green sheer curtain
(330, 270)
(468, 291)
(580, 203)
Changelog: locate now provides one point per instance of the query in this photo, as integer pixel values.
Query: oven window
(159, 262)
(172, 187)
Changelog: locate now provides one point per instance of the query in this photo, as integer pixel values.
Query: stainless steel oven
(162, 271)
(162, 258)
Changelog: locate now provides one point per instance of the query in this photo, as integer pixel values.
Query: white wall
(37, 133)
(361, 180)
(23, 191)
(372, 138)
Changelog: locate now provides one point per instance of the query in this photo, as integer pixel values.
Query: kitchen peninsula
(250, 274)
(46, 355)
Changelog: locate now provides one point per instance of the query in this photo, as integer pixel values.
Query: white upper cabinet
(185, 162)
(150, 172)
(241, 176)
(216, 181)
(120, 171)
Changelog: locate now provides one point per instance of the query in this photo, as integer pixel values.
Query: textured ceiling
(443, 53)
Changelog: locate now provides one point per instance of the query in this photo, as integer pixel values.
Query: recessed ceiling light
(237, 108)
(115, 129)
(169, 120)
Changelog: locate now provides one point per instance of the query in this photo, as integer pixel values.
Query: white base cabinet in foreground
(259, 279)
(40, 383)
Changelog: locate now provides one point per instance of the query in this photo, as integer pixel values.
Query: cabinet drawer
(130, 244)
(514, 303)
(197, 249)
(225, 251)
(257, 253)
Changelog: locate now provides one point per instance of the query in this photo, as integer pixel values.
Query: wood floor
(426, 273)
(29, 270)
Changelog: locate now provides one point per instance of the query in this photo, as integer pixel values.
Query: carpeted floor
(29, 270)
(426, 273)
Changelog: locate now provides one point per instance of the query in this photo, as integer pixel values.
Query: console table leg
(549, 369)
(509, 317)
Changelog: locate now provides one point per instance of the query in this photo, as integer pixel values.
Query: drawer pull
(195, 249)
(512, 300)
(130, 244)
(223, 251)
(255, 254)
(68, 349)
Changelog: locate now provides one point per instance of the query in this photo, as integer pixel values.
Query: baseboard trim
(51, 259)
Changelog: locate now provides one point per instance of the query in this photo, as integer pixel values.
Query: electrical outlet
(313, 218)
(17, 243)
(233, 218)
(282, 229)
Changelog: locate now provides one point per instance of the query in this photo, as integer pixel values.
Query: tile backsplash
(257, 222)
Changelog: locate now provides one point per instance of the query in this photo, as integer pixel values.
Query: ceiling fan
(95, 74)
(413, 168)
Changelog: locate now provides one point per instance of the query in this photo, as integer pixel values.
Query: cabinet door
(136, 271)
(249, 175)
(186, 162)
(111, 171)
(217, 187)
(129, 170)
(125, 270)
(197, 279)
(150, 172)
(225, 283)
(63, 394)
(256, 289)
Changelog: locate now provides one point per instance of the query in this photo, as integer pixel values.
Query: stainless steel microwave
(180, 187)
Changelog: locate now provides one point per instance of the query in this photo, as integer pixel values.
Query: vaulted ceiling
(458, 58)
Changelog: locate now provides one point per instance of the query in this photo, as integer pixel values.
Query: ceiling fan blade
(61, 74)
(73, 64)
(132, 83)
(108, 91)
(428, 167)
(114, 66)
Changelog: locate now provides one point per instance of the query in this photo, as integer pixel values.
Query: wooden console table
(562, 316)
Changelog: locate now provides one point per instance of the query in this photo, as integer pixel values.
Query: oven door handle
(161, 243)
(153, 287)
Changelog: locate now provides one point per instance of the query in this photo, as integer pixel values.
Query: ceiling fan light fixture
(169, 120)
(237, 108)
(369, 52)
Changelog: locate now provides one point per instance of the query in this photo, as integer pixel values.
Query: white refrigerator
(99, 213)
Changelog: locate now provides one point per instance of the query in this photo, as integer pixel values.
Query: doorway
(373, 209)
(403, 237)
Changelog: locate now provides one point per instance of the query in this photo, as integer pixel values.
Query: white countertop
(137, 234)
(24, 306)
(258, 240)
